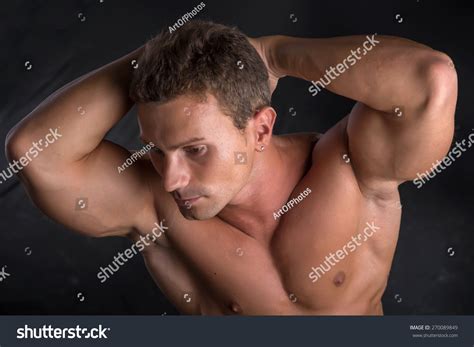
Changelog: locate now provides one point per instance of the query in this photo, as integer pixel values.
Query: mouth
(187, 202)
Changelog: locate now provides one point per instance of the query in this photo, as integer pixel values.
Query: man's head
(206, 82)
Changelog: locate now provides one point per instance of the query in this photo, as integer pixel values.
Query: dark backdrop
(425, 278)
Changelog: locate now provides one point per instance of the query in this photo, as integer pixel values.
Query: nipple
(236, 308)
(339, 278)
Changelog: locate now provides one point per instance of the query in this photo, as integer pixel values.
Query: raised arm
(404, 118)
(74, 179)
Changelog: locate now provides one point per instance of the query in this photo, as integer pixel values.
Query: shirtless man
(217, 175)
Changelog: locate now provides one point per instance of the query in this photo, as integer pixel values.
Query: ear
(263, 121)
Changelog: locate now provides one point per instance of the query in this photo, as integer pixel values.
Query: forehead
(183, 116)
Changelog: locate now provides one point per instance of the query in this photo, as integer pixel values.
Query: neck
(271, 181)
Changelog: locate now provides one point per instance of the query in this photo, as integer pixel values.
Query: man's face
(202, 158)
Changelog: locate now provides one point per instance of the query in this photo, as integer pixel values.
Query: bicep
(395, 147)
(91, 196)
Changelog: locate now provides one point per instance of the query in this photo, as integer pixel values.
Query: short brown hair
(203, 57)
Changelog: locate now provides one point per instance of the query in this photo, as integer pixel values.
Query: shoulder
(332, 155)
(301, 143)
(331, 164)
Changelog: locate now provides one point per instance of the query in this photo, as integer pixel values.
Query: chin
(190, 215)
(200, 212)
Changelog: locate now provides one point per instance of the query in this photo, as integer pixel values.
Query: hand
(263, 46)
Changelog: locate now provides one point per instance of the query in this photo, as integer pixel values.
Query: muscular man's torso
(231, 272)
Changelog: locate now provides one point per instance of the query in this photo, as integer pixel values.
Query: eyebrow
(187, 142)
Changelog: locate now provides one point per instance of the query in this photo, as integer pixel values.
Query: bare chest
(324, 252)
(330, 252)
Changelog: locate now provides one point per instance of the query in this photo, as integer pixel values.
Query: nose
(175, 174)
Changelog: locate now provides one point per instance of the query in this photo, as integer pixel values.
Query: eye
(196, 150)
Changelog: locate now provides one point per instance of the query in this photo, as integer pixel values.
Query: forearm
(83, 111)
(392, 72)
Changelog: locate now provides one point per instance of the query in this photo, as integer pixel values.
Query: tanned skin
(226, 250)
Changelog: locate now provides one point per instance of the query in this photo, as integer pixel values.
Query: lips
(186, 202)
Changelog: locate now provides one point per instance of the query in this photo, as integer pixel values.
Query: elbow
(441, 84)
(17, 142)
(13, 142)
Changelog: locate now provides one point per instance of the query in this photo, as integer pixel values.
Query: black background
(424, 279)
